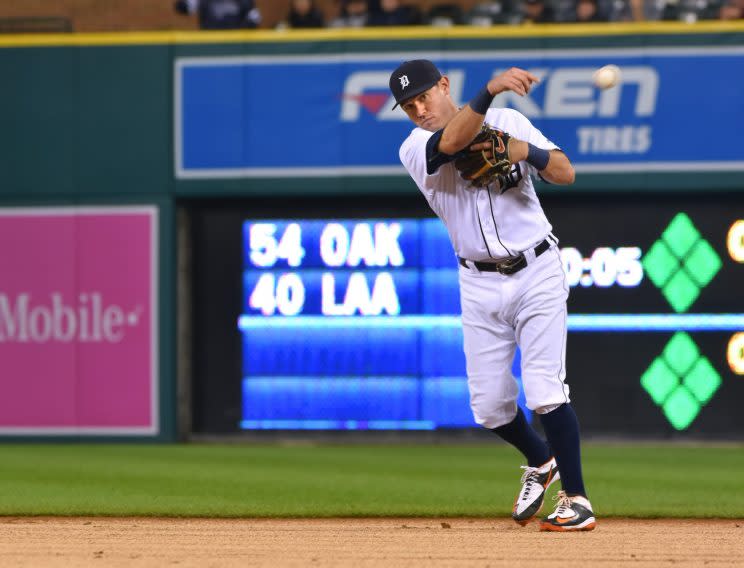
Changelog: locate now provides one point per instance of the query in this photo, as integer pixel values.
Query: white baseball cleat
(535, 481)
(572, 514)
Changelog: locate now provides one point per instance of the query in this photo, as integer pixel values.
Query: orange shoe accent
(557, 528)
(549, 479)
(562, 521)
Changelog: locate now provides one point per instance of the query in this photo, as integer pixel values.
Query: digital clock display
(605, 267)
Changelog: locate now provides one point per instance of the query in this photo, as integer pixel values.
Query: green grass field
(345, 480)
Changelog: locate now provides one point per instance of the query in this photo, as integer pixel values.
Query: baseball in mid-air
(607, 76)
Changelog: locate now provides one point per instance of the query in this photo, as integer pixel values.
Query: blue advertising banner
(676, 109)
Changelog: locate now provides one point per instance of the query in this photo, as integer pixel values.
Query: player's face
(432, 109)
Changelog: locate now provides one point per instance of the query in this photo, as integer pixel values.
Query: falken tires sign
(332, 114)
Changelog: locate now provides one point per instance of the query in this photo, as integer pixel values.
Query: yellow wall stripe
(368, 34)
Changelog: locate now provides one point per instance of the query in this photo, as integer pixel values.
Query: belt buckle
(512, 265)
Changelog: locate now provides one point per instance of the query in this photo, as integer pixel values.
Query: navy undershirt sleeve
(434, 158)
(538, 173)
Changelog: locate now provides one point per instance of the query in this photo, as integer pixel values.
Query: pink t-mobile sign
(78, 320)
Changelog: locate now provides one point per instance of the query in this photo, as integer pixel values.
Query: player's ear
(444, 85)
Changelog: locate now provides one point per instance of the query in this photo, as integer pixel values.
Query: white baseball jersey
(500, 312)
(483, 223)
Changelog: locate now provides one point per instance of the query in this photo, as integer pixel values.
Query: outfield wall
(162, 121)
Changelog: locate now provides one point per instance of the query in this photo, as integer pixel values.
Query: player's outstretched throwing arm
(466, 124)
(459, 133)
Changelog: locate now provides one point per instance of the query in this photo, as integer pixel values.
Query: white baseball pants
(501, 312)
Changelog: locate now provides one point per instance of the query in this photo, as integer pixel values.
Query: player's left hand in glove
(486, 157)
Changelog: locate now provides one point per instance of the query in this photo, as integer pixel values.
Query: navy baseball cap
(412, 78)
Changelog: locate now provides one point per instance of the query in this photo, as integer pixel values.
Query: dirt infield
(73, 542)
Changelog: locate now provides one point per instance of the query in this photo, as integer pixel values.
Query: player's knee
(544, 393)
(547, 408)
(493, 399)
(491, 413)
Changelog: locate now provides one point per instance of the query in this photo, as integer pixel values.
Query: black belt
(508, 266)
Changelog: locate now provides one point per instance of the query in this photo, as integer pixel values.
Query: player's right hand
(514, 79)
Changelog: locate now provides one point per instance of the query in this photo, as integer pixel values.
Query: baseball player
(512, 285)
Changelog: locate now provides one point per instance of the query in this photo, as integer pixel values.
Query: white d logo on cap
(404, 82)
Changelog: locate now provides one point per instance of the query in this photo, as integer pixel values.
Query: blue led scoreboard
(351, 324)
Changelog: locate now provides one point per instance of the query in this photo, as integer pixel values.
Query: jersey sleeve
(527, 131)
(421, 157)
(523, 129)
(434, 158)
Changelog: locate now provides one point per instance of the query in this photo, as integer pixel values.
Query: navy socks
(562, 430)
(523, 437)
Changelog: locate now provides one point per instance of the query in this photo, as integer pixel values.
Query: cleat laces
(529, 478)
(564, 504)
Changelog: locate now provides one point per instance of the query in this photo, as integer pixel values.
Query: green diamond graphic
(681, 400)
(681, 291)
(681, 408)
(703, 263)
(659, 263)
(680, 353)
(659, 381)
(703, 380)
(681, 263)
(680, 235)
